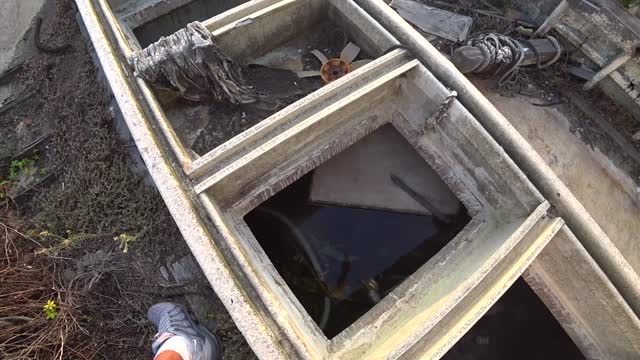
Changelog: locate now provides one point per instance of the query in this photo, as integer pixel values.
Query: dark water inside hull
(354, 246)
(362, 254)
(518, 326)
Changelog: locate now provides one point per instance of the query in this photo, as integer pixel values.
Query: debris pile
(192, 63)
(439, 22)
(486, 51)
(500, 39)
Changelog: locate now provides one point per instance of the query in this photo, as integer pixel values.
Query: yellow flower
(50, 309)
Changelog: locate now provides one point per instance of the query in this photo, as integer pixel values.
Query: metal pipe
(536, 51)
(568, 207)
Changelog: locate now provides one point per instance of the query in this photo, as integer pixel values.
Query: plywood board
(439, 22)
(363, 176)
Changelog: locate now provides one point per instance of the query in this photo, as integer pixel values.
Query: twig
(31, 145)
(8, 320)
(8, 242)
(487, 4)
(21, 234)
(420, 199)
(9, 72)
(15, 102)
(549, 104)
(33, 186)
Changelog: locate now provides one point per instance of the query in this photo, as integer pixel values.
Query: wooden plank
(474, 148)
(237, 13)
(362, 29)
(143, 12)
(125, 46)
(439, 22)
(261, 279)
(172, 188)
(454, 284)
(319, 150)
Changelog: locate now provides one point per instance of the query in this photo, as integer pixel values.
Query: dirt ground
(78, 227)
(82, 230)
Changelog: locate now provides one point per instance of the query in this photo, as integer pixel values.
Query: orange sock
(168, 355)
(174, 348)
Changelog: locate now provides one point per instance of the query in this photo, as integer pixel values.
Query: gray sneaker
(171, 320)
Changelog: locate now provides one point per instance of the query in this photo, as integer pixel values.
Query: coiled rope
(507, 54)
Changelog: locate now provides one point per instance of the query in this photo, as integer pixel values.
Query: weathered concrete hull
(511, 229)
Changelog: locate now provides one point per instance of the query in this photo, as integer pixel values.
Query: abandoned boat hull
(208, 195)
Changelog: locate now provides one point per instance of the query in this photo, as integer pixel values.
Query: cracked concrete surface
(547, 130)
(16, 17)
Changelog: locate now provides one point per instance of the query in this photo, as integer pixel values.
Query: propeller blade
(350, 52)
(358, 64)
(306, 74)
(323, 59)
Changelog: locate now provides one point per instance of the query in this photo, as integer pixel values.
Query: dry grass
(25, 333)
(102, 293)
(96, 193)
(100, 309)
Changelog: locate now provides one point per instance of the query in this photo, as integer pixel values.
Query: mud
(281, 87)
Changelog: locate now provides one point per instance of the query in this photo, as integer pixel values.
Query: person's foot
(173, 320)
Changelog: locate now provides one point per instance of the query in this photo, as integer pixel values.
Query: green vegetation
(629, 3)
(125, 240)
(18, 168)
(24, 166)
(60, 243)
(4, 184)
(50, 309)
